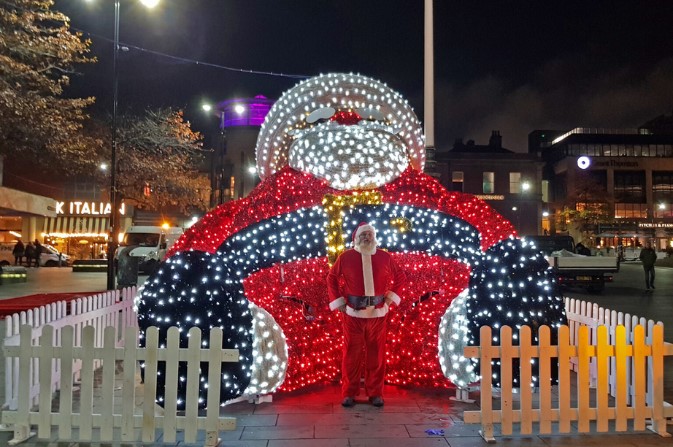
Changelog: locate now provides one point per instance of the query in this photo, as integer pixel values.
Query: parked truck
(573, 269)
(151, 243)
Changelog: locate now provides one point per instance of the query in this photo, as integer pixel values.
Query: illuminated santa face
(349, 150)
(349, 130)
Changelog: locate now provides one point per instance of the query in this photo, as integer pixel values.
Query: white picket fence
(589, 326)
(116, 410)
(108, 309)
(87, 334)
(591, 315)
(635, 361)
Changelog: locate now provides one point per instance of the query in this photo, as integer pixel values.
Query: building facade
(609, 187)
(508, 181)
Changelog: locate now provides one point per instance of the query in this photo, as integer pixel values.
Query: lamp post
(114, 197)
(217, 162)
(114, 218)
(525, 187)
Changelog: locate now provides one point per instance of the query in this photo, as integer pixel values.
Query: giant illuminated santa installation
(334, 151)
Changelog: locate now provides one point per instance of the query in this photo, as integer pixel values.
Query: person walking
(372, 281)
(648, 257)
(18, 252)
(29, 253)
(38, 252)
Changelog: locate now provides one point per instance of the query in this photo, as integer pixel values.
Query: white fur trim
(337, 303)
(392, 296)
(362, 228)
(361, 250)
(369, 312)
(368, 275)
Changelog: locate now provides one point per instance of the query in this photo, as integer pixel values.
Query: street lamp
(217, 169)
(114, 197)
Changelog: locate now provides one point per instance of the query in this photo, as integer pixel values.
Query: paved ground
(55, 279)
(410, 418)
(314, 417)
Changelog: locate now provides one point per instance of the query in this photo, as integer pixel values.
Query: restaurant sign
(78, 208)
(655, 225)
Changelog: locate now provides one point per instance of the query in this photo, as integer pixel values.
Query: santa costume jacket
(365, 275)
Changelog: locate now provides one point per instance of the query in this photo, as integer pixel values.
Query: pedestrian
(372, 281)
(38, 252)
(29, 253)
(582, 249)
(18, 252)
(648, 257)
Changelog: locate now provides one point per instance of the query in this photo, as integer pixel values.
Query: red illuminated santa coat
(365, 275)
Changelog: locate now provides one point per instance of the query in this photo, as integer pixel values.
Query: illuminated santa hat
(364, 226)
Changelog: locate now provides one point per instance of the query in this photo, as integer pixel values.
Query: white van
(50, 256)
(152, 243)
(6, 256)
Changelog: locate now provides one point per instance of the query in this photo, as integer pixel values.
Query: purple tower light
(243, 111)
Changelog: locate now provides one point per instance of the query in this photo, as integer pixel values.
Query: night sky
(512, 66)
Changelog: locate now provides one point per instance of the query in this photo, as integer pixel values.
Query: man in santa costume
(371, 283)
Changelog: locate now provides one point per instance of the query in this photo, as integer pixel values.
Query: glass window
(545, 191)
(621, 150)
(457, 181)
(630, 210)
(630, 186)
(637, 151)
(607, 150)
(660, 150)
(488, 183)
(662, 186)
(514, 182)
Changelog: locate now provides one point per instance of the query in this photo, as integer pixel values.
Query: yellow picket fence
(637, 366)
(56, 352)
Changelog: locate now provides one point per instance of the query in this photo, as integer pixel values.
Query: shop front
(81, 229)
(633, 235)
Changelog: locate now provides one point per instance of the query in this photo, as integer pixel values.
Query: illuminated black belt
(362, 302)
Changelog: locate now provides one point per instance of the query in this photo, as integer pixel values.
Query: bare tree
(159, 157)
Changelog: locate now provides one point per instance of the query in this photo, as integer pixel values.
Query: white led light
(269, 351)
(382, 138)
(453, 338)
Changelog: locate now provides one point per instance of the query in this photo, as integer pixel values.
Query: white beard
(366, 248)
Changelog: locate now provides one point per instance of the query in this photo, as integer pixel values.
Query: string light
(371, 136)
(256, 267)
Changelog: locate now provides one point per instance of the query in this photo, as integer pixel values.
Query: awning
(621, 235)
(76, 226)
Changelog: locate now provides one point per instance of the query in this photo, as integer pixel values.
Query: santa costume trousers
(363, 337)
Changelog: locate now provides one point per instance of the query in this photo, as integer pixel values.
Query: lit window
(514, 182)
(488, 183)
(457, 181)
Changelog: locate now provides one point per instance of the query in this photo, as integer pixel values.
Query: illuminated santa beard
(350, 157)
(365, 247)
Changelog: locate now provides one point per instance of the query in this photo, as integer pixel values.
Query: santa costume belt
(362, 302)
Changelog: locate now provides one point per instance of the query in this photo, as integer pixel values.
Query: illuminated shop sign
(490, 196)
(86, 208)
(612, 163)
(655, 225)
